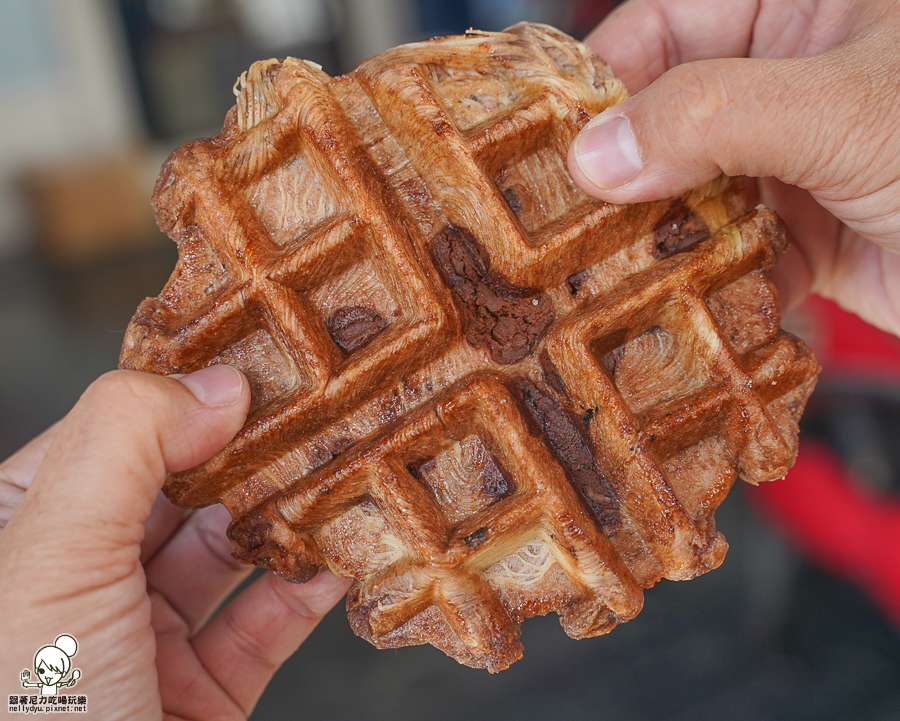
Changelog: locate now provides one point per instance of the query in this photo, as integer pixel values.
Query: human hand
(798, 93)
(90, 549)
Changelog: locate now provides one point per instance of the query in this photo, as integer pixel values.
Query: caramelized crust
(477, 392)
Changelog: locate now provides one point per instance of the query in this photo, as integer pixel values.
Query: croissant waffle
(476, 391)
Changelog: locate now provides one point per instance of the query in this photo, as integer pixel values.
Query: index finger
(642, 39)
(17, 472)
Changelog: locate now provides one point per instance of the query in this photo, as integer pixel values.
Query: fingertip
(224, 396)
(792, 277)
(631, 40)
(605, 155)
(318, 595)
(216, 386)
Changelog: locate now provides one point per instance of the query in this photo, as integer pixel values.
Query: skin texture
(89, 547)
(800, 94)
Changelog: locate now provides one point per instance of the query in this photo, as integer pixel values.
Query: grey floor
(766, 636)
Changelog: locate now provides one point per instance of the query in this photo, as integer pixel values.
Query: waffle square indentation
(469, 95)
(529, 574)
(746, 312)
(701, 475)
(291, 201)
(356, 306)
(362, 539)
(539, 189)
(464, 478)
(657, 368)
(270, 372)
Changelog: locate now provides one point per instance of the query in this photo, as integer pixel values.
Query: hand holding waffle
(85, 549)
(801, 95)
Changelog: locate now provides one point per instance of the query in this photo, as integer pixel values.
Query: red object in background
(820, 505)
(829, 515)
(846, 345)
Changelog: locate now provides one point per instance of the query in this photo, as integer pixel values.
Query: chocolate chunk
(551, 373)
(476, 538)
(513, 200)
(507, 319)
(611, 360)
(495, 484)
(354, 327)
(576, 281)
(680, 228)
(572, 447)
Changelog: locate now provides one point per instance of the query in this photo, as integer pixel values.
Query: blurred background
(801, 620)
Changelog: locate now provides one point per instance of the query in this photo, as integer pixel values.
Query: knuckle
(247, 644)
(125, 389)
(118, 384)
(124, 400)
(698, 93)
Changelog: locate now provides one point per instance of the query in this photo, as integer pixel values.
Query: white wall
(65, 94)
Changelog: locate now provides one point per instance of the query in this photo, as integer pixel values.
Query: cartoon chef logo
(51, 664)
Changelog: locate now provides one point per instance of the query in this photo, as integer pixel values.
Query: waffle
(477, 392)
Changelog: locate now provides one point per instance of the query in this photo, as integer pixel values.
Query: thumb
(113, 450)
(796, 119)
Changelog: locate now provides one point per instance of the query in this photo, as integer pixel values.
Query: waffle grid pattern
(461, 493)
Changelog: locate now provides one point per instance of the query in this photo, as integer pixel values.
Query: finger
(164, 519)
(826, 257)
(642, 39)
(17, 472)
(195, 570)
(20, 467)
(186, 688)
(103, 471)
(251, 637)
(812, 229)
(741, 117)
(792, 277)
(861, 277)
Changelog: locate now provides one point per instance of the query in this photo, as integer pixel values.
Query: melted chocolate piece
(679, 228)
(611, 360)
(551, 373)
(572, 447)
(507, 319)
(577, 280)
(495, 484)
(476, 538)
(512, 198)
(354, 327)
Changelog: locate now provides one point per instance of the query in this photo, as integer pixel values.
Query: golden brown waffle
(477, 392)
